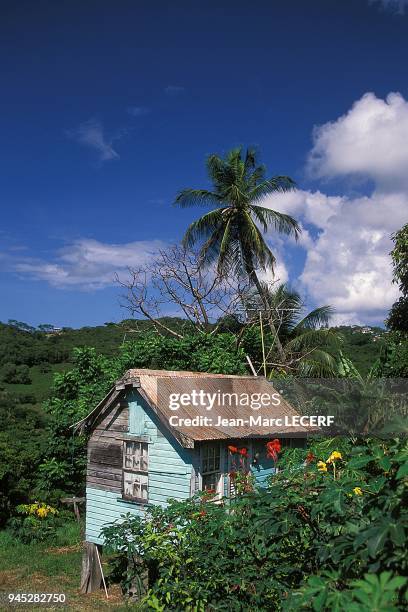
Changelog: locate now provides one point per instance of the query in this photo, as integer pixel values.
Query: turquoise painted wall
(265, 467)
(262, 472)
(170, 469)
(103, 508)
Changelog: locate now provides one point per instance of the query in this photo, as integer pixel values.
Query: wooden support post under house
(91, 576)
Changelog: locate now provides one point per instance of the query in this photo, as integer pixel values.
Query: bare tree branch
(175, 284)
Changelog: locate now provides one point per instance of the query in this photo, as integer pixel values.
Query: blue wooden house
(151, 440)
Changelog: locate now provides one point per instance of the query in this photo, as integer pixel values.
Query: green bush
(37, 522)
(15, 374)
(332, 516)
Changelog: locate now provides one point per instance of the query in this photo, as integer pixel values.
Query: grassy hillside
(362, 345)
(46, 353)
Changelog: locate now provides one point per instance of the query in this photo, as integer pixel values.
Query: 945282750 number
(30, 598)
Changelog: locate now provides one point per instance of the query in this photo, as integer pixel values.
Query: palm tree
(230, 234)
(309, 347)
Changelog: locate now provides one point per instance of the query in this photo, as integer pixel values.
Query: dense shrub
(393, 360)
(23, 442)
(334, 515)
(36, 522)
(15, 374)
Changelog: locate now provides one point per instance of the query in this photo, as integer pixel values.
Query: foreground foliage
(328, 533)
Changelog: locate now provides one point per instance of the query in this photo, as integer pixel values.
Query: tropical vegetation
(327, 533)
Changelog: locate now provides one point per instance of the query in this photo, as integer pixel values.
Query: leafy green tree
(230, 234)
(393, 360)
(63, 464)
(45, 327)
(23, 442)
(15, 374)
(399, 256)
(201, 353)
(398, 316)
(21, 325)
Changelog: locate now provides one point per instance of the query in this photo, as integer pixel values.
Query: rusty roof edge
(136, 372)
(95, 410)
(129, 378)
(134, 380)
(109, 398)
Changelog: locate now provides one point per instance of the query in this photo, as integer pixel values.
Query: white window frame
(135, 468)
(220, 471)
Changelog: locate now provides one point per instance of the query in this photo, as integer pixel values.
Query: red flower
(232, 449)
(273, 448)
(243, 451)
(310, 457)
(274, 445)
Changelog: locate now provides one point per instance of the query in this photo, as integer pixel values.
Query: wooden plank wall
(104, 468)
(170, 465)
(103, 508)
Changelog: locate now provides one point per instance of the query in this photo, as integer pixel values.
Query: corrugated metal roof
(157, 385)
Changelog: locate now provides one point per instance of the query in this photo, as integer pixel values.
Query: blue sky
(110, 108)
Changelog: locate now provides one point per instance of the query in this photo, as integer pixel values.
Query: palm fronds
(238, 182)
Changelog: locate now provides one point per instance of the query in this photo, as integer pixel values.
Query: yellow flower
(42, 512)
(321, 466)
(357, 491)
(334, 456)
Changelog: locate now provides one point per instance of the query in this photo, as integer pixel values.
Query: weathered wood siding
(104, 467)
(171, 467)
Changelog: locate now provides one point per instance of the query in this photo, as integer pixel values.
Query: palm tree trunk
(253, 277)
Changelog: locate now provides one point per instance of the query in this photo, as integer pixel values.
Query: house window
(135, 470)
(211, 467)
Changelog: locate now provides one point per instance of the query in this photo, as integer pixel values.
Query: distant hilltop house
(145, 447)
(54, 331)
(376, 332)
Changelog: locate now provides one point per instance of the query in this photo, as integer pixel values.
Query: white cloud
(91, 134)
(280, 274)
(347, 239)
(347, 249)
(346, 318)
(88, 264)
(370, 140)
